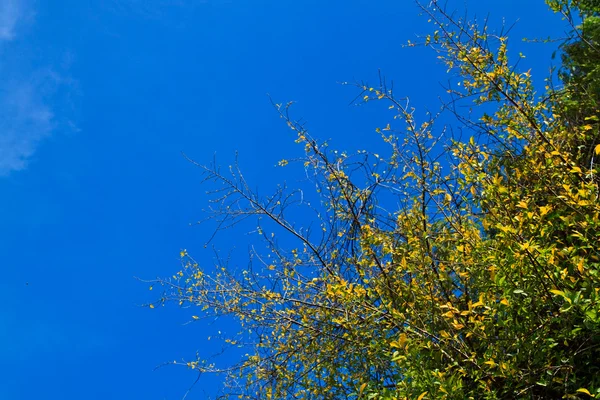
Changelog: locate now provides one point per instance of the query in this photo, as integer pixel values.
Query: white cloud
(28, 97)
(10, 11)
(24, 121)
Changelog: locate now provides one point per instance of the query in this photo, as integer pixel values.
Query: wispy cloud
(10, 11)
(24, 121)
(28, 97)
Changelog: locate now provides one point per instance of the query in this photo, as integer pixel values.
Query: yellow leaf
(150, 288)
(422, 395)
(402, 339)
(562, 294)
(151, 305)
(387, 128)
(583, 390)
(491, 363)
(194, 316)
(480, 303)
(182, 253)
(597, 149)
(362, 388)
(457, 326)
(400, 343)
(580, 266)
(504, 301)
(544, 210)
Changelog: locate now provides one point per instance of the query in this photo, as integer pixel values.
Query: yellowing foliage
(481, 282)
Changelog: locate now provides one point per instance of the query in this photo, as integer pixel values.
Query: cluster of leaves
(450, 269)
(581, 60)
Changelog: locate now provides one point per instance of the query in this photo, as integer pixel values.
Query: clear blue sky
(98, 99)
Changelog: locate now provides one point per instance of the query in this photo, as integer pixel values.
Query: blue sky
(97, 101)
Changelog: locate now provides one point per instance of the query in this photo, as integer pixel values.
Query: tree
(449, 269)
(581, 71)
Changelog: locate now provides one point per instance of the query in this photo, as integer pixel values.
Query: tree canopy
(462, 264)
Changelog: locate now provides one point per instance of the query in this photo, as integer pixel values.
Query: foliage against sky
(461, 264)
(98, 99)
